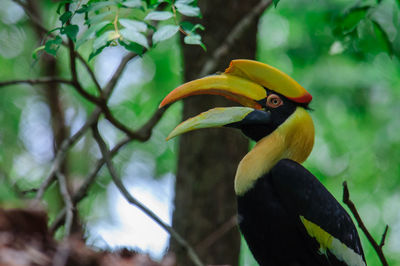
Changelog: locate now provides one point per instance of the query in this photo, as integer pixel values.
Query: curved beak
(216, 117)
(235, 88)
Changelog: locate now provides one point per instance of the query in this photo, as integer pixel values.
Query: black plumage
(269, 218)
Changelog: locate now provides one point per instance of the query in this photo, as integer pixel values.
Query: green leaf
(89, 33)
(159, 15)
(61, 4)
(383, 34)
(194, 39)
(96, 52)
(133, 24)
(36, 51)
(83, 9)
(132, 3)
(133, 47)
(352, 19)
(189, 27)
(184, 2)
(96, 6)
(134, 36)
(52, 46)
(276, 2)
(164, 33)
(98, 18)
(65, 17)
(53, 30)
(71, 31)
(187, 10)
(103, 40)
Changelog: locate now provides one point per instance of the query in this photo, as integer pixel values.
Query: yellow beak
(232, 87)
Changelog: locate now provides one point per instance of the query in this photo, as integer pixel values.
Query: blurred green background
(345, 53)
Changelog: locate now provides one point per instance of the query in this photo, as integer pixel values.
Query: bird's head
(273, 113)
(268, 95)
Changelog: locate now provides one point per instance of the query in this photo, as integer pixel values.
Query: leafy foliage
(129, 23)
(370, 26)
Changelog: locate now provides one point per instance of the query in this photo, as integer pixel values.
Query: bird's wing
(322, 216)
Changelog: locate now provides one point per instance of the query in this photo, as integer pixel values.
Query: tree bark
(205, 201)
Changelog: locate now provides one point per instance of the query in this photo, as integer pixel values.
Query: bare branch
(141, 135)
(75, 80)
(82, 191)
(89, 70)
(235, 34)
(114, 79)
(353, 209)
(44, 80)
(145, 133)
(62, 253)
(67, 201)
(217, 234)
(63, 150)
(107, 157)
(384, 237)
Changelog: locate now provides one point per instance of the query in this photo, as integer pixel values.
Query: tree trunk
(205, 203)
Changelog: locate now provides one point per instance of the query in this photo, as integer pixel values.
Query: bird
(285, 213)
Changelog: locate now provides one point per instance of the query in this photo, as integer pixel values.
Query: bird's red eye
(274, 101)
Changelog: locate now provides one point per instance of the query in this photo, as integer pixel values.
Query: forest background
(345, 53)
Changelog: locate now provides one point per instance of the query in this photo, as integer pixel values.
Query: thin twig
(44, 80)
(89, 70)
(66, 144)
(114, 79)
(75, 80)
(107, 157)
(63, 251)
(384, 237)
(353, 209)
(234, 34)
(69, 206)
(217, 234)
(144, 132)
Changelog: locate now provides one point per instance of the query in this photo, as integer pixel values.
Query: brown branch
(62, 253)
(114, 79)
(89, 70)
(217, 234)
(63, 150)
(234, 34)
(68, 203)
(75, 80)
(45, 80)
(384, 237)
(353, 209)
(107, 157)
(143, 134)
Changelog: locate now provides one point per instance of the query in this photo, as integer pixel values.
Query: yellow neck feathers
(294, 140)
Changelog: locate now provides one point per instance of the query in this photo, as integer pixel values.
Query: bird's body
(271, 214)
(286, 215)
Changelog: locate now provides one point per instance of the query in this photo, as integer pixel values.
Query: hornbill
(285, 214)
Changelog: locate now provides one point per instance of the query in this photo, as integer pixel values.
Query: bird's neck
(293, 140)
